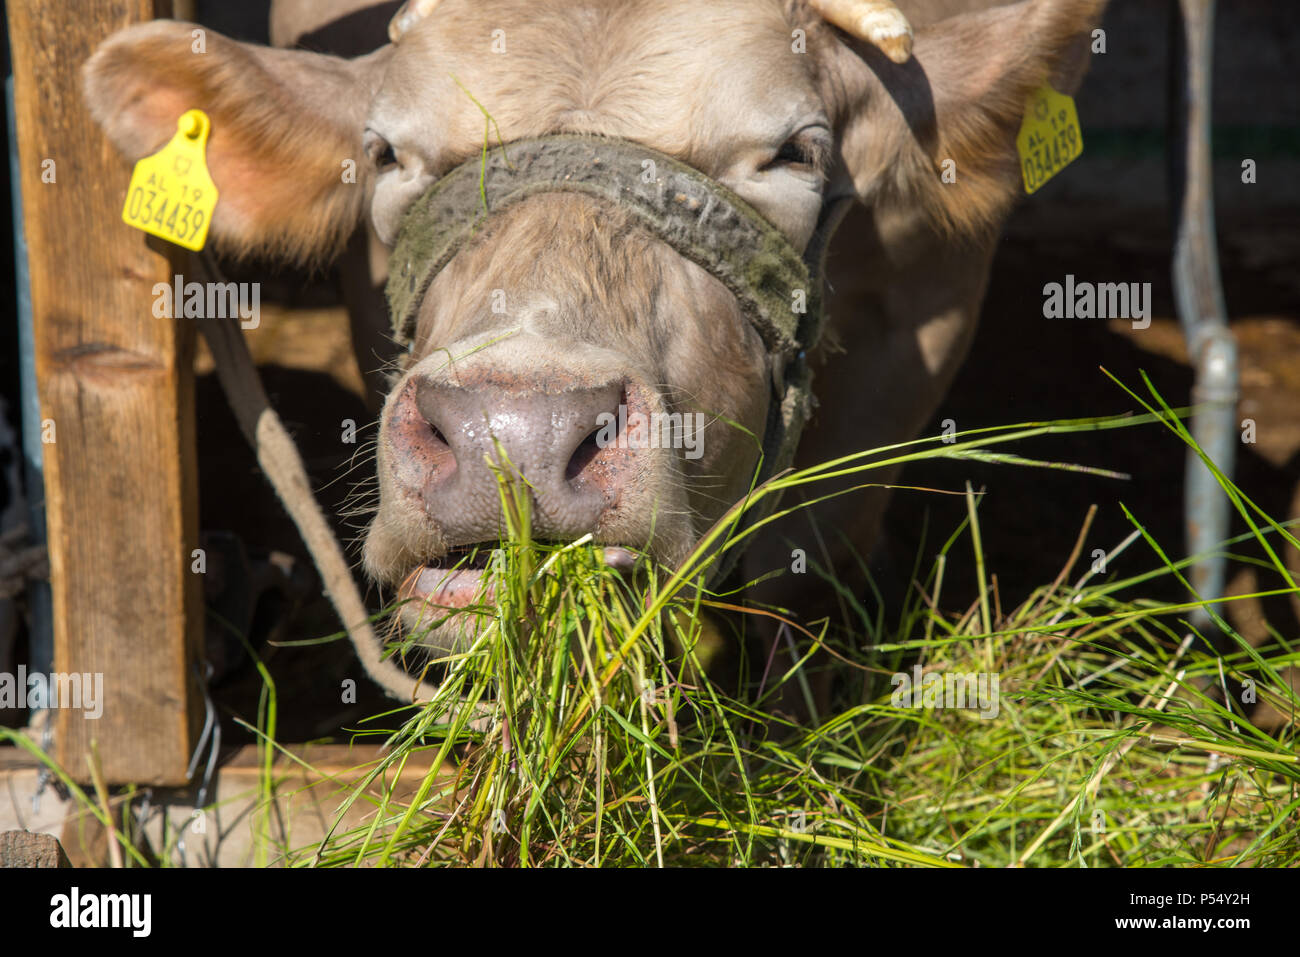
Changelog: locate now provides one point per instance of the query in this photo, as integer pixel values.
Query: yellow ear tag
(171, 194)
(1050, 138)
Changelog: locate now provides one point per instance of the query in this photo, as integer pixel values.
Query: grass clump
(582, 726)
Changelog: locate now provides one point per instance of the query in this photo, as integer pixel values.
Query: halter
(779, 290)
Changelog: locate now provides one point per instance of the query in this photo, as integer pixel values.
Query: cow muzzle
(589, 440)
(777, 287)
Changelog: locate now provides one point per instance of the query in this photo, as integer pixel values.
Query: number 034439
(1049, 139)
(171, 194)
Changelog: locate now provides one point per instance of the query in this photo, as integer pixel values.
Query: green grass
(582, 727)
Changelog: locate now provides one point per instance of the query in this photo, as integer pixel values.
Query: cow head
(563, 311)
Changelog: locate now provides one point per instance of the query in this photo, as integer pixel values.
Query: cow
(565, 308)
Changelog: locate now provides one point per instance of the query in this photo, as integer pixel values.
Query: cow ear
(955, 108)
(285, 143)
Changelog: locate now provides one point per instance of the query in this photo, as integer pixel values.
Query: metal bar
(1198, 294)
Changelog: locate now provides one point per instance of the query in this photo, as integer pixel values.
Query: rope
(280, 462)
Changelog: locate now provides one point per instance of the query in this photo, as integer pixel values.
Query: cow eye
(380, 151)
(793, 151)
(806, 151)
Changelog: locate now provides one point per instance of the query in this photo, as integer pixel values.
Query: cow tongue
(620, 558)
(459, 587)
(445, 587)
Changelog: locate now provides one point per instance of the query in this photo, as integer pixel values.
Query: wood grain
(117, 383)
(24, 849)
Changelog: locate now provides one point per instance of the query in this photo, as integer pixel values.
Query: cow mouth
(450, 583)
(436, 594)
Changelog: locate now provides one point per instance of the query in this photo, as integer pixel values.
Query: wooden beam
(116, 393)
(22, 849)
(312, 782)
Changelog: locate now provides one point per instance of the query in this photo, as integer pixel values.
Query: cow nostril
(436, 452)
(430, 406)
(583, 456)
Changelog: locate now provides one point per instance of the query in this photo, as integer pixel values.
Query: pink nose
(445, 434)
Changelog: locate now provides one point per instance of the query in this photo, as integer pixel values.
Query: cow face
(563, 314)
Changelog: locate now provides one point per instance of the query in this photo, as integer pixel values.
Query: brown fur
(282, 124)
(962, 97)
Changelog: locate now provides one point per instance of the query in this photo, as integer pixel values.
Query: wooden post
(23, 849)
(116, 392)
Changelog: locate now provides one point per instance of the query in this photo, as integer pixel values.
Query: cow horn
(407, 15)
(879, 22)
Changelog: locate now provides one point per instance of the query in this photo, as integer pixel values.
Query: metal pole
(1198, 294)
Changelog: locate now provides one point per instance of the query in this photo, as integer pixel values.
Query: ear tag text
(1050, 138)
(171, 194)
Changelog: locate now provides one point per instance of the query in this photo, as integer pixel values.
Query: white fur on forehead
(689, 79)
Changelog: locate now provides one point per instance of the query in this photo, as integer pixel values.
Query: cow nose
(449, 436)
